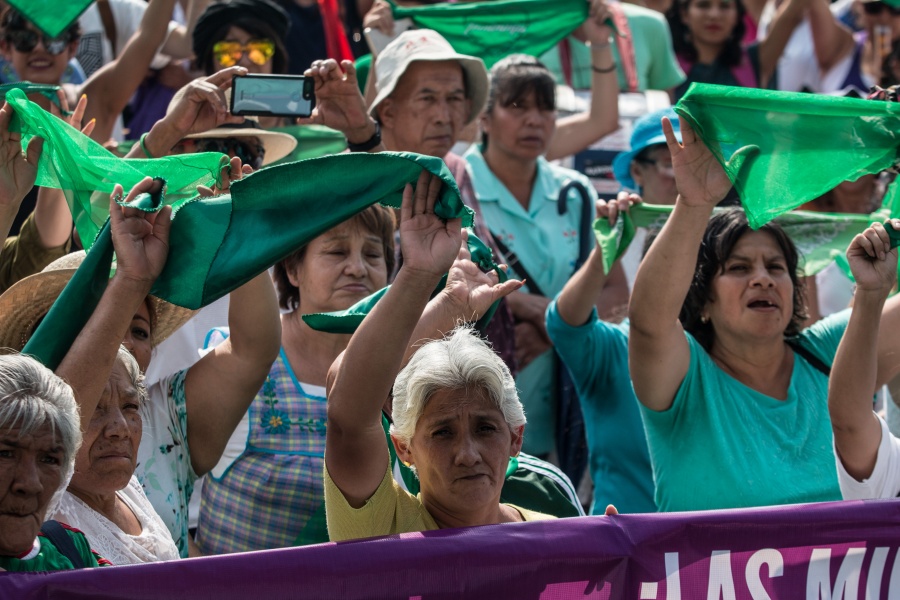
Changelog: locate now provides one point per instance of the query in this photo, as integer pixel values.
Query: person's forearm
(664, 276)
(7, 218)
(831, 40)
(254, 322)
(852, 385)
(89, 362)
(376, 352)
(578, 297)
(52, 218)
(577, 132)
(161, 138)
(179, 43)
(787, 17)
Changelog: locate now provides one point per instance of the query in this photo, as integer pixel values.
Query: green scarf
(346, 321)
(51, 16)
(782, 149)
(495, 29)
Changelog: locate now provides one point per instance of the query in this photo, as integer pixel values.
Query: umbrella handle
(585, 239)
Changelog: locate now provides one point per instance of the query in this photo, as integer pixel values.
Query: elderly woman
(39, 436)
(733, 390)
(104, 499)
(457, 418)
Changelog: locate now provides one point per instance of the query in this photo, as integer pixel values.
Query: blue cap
(647, 132)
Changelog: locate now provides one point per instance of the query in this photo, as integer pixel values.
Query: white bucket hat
(427, 45)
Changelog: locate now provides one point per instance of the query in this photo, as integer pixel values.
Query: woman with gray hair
(39, 437)
(104, 499)
(457, 417)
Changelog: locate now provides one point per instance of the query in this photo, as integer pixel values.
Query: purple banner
(841, 550)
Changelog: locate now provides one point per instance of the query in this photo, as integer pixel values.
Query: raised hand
(429, 243)
(339, 103)
(380, 17)
(141, 239)
(594, 29)
(872, 260)
(231, 171)
(700, 179)
(470, 291)
(200, 105)
(18, 169)
(612, 209)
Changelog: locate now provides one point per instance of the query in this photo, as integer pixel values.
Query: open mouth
(762, 304)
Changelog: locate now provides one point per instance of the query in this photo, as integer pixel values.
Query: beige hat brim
(277, 144)
(27, 302)
(477, 83)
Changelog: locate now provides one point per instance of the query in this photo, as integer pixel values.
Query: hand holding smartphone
(272, 95)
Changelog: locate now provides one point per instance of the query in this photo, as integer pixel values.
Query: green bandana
(782, 149)
(217, 244)
(819, 237)
(493, 30)
(46, 90)
(87, 172)
(51, 16)
(346, 321)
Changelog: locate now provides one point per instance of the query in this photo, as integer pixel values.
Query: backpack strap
(513, 262)
(809, 357)
(57, 535)
(625, 44)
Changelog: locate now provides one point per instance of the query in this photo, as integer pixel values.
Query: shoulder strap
(809, 357)
(625, 44)
(109, 24)
(513, 262)
(56, 533)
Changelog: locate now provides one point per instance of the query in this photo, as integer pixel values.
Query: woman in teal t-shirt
(733, 388)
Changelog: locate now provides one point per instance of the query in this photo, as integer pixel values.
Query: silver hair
(31, 396)
(459, 361)
(134, 372)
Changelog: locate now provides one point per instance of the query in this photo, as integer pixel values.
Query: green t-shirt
(655, 62)
(724, 445)
(44, 556)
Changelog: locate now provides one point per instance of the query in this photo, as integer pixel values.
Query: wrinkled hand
(200, 105)
(141, 239)
(429, 244)
(232, 171)
(594, 29)
(612, 209)
(470, 291)
(872, 261)
(339, 103)
(700, 179)
(18, 169)
(531, 342)
(380, 17)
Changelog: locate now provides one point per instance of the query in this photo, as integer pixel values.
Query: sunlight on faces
(108, 456)
(31, 471)
(340, 267)
(753, 294)
(427, 109)
(241, 37)
(461, 448)
(37, 65)
(521, 130)
(710, 21)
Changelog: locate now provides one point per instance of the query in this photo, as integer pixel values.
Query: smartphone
(272, 95)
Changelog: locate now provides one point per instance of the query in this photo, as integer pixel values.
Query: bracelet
(611, 69)
(144, 145)
(368, 144)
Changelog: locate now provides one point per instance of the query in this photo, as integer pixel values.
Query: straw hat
(277, 144)
(29, 300)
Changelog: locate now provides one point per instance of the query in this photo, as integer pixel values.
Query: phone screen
(277, 95)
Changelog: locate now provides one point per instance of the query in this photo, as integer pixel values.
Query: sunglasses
(26, 40)
(229, 54)
(250, 153)
(876, 8)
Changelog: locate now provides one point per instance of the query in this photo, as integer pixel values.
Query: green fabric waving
(87, 172)
(346, 321)
(819, 237)
(782, 149)
(217, 244)
(492, 30)
(51, 16)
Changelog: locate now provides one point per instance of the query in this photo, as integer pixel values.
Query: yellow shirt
(390, 510)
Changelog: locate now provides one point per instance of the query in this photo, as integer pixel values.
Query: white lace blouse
(153, 544)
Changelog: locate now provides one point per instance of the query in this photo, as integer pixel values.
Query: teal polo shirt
(547, 245)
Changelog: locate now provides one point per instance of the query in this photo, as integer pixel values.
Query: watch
(369, 143)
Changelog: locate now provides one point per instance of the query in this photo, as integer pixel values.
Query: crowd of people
(703, 370)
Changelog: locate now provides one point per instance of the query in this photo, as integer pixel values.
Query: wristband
(603, 71)
(144, 146)
(368, 144)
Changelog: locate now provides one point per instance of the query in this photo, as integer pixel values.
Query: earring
(704, 319)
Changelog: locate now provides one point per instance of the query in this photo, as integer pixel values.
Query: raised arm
(111, 87)
(576, 132)
(355, 447)
(18, 169)
(658, 352)
(857, 431)
(179, 42)
(787, 17)
(831, 39)
(141, 243)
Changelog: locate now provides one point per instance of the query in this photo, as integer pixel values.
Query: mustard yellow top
(390, 510)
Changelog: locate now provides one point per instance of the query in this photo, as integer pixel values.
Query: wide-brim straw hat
(277, 144)
(24, 304)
